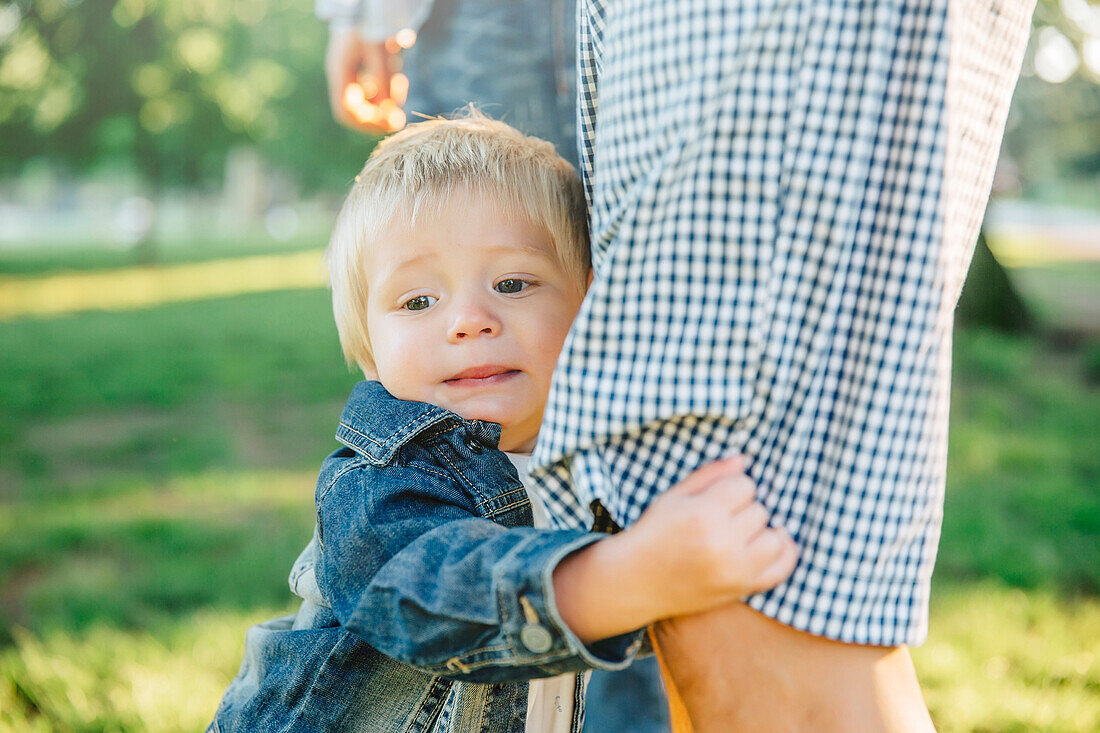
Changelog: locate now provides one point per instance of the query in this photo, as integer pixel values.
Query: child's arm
(703, 543)
(471, 599)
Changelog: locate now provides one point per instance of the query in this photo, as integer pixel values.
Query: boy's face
(468, 311)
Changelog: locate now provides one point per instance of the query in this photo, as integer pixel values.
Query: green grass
(38, 261)
(136, 553)
(156, 482)
(1063, 296)
(1002, 659)
(105, 678)
(1023, 495)
(229, 382)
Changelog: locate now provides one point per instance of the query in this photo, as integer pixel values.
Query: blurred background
(170, 376)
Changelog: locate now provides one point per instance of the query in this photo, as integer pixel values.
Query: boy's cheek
(588, 282)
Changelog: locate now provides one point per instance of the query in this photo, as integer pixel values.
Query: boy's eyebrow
(525, 248)
(401, 264)
(392, 269)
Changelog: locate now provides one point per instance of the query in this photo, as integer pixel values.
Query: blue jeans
(630, 700)
(514, 59)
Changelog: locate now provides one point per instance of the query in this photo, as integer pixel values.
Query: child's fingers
(768, 543)
(749, 521)
(703, 478)
(739, 494)
(782, 566)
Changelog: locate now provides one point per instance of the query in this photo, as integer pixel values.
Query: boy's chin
(517, 444)
(490, 409)
(514, 438)
(518, 431)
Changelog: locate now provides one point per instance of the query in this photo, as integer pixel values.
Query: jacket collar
(376, 424)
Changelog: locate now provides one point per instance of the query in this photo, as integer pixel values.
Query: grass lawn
(156, 482)
(40, 261)
(1064, 295)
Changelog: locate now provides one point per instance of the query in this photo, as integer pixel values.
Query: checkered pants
(784, 198)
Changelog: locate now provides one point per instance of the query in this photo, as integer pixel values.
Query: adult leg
(776, 241)
(742, 248)
(805, 682)
(514, 59)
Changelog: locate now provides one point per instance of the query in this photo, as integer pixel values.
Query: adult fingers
(377, 64)
(342, 60)
(360, 83)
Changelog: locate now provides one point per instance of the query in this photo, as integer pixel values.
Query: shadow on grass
(147, 554)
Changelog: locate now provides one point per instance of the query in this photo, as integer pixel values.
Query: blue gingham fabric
(773, 276)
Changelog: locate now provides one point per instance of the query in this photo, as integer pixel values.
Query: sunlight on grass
(999, 659)
(1022, 249)
(106, 678)
(206, 495)
(141, 287)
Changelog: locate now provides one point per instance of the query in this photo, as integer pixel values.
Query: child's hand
(707, 541)
(703, 543)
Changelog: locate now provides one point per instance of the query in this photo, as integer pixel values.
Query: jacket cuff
(530, 613)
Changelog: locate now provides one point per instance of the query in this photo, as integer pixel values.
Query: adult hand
(364, 92)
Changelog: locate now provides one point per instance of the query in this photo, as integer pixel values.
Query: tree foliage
(168, 86)
(1054, 125)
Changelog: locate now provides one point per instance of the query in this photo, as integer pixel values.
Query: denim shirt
(424, 572)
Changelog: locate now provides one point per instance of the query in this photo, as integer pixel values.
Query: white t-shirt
(550, 701)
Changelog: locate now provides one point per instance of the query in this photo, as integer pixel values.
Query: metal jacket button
(473, 445)
(536, 638)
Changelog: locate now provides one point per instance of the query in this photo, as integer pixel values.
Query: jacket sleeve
(417, 574)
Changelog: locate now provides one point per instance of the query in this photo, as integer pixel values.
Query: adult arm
(779, 238)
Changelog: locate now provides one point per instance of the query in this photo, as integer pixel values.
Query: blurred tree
(168, 86)
(1054, 124)
(1050, 144)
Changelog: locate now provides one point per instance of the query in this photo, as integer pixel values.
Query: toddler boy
(458, 263)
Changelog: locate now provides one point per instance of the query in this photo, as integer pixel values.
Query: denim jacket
(424, 572)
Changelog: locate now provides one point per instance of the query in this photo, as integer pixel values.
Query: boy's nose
(473, 320)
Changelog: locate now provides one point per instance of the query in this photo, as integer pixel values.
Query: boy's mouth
(483, 375)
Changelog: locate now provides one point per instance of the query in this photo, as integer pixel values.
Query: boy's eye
(419, 303)
(511, 285)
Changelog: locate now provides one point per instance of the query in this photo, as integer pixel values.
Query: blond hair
(413, 173)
